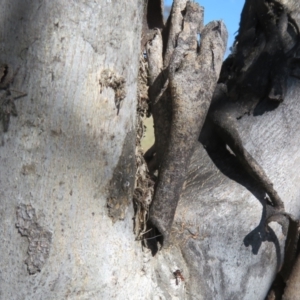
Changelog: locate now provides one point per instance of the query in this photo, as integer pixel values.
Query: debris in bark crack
(253, 80)
(110, 79)
(144, 183)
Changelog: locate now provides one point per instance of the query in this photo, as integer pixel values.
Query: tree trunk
(68, 167)
(70, 152)
(243, 175)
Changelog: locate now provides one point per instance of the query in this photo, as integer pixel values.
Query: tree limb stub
(192, 79)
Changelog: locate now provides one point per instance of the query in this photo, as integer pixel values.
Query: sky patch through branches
(227, 10)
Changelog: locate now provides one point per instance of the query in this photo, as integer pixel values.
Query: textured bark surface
(193, 77)
(221, 215)
(220, 242)
(70, 152)
(67, 171)
(253, 83)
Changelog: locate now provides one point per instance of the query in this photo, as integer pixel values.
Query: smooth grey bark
(61, 157)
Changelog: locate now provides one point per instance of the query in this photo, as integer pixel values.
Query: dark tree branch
(192, 78)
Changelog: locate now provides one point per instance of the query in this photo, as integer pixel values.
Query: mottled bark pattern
(109, 79)
(64, 152)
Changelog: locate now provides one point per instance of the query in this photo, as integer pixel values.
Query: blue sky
(227, 10)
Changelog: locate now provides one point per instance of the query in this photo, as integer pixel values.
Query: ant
(178, 275)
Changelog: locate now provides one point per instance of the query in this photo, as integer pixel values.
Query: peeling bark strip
(190, 77)
(117, 83)
(39, 238)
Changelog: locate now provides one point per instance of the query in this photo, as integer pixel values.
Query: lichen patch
(39, 238)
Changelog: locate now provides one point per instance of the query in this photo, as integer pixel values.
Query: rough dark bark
(180, 98)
